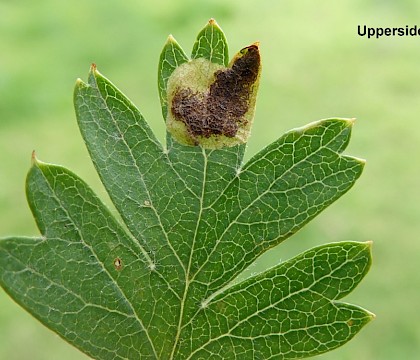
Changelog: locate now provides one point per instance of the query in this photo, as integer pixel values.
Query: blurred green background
(314, 66)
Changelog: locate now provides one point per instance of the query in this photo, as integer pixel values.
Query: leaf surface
(159, 284)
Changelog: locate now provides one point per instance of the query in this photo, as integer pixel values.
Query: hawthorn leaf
(159, 282)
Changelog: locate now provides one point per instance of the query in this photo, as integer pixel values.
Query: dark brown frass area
(220, 111)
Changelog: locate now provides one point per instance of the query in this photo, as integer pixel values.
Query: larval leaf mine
(211, 105)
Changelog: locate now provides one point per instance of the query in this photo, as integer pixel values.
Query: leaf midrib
(187, 278)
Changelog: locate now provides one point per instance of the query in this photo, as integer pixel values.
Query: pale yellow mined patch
(197, 74)
(196, 77)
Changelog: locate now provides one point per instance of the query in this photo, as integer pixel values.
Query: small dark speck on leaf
(118, 264)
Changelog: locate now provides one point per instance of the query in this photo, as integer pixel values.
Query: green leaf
(288, 311)
(160, 282)
(211, 44)
(171, 57)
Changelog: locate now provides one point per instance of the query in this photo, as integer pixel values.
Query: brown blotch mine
(118, 264)
(220, 111)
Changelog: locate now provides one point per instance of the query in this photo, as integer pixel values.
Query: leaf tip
(371, 315)
(93, 71)
(350, 122)
(34, 160)
(79, 83)
(369, 244)
(171, 41)
(93, 75)
(213, 23)
(361, 161)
